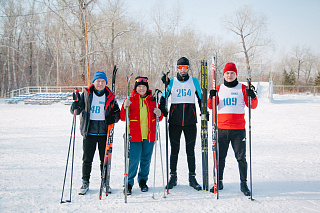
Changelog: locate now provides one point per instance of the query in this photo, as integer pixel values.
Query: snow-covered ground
(285, 163)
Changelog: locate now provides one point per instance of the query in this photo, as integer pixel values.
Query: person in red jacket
(143, 114)
(232, 97)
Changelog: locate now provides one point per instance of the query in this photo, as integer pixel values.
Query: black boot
(220, 186)
(129, 189)
(244, 188)
(173, 180)
(193, 182)
(143, 185)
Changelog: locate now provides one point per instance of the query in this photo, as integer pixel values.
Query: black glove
(213, 92)
(110, 119)
(165, 80)
(251, 93)
(75, 105)
(164, 112)
(162, 107)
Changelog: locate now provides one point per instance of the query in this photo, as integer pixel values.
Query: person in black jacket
(183, 90)
(98, 108)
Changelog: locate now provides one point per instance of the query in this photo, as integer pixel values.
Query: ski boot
(84, 188)
(220, 185)
(173, 180)
(244, 188)
(193, 182)
(129, 192)
(143, 185)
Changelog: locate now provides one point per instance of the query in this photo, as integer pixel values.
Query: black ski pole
(250, 165)
(71, 142)
(167, 134)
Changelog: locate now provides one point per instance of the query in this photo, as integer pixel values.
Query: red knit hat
(230, 67)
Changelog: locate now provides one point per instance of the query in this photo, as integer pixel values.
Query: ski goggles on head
(139, 80)
(183, 66)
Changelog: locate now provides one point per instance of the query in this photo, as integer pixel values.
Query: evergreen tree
(292, 78)
(285, 78)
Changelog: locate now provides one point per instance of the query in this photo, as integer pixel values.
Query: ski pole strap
(126, 174)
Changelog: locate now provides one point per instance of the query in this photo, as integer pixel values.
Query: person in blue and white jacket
(183, 90)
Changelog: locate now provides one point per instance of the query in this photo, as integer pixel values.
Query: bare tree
(79, 9)
(250, 28)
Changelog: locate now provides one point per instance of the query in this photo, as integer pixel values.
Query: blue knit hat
(100, 74)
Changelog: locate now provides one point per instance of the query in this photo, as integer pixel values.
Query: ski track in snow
(285, 164)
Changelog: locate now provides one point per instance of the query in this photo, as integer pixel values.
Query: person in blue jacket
(183, 90)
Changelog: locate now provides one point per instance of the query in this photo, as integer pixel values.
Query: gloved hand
(162, 106)
(165, 80)
(75, 105)
(157, 112)
(126, 103)
(213, 92)
(110, 119)
(164, 112)
(251, 93)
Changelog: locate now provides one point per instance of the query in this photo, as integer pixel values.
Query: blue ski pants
(140, 153)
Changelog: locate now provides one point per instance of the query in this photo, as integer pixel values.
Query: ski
(215, 144)
(105, 175)
(127, 143)
(204, 124)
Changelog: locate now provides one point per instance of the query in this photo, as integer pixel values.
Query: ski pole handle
(76, 95)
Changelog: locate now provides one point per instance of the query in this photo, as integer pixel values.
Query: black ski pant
(190, 134)
(89, 148)
(237, 137)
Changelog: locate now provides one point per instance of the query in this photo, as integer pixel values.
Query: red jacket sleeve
(123, 112)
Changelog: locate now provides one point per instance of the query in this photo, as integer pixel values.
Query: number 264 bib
(183, 92)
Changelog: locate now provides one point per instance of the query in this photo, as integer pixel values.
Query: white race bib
(231, 100)
(97, 107)
(183, 92)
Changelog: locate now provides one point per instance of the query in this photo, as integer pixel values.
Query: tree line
(64, 42)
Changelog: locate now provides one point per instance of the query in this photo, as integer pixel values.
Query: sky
(290, 23)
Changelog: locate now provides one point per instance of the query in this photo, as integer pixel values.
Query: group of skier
(98, 108)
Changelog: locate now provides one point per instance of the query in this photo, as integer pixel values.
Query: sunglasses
(183, 66)
(145, 80)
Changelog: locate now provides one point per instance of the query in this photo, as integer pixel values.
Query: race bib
(97, 107)
(183, 92)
